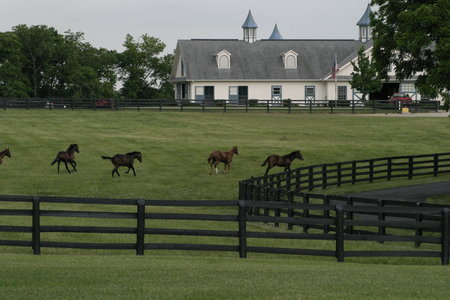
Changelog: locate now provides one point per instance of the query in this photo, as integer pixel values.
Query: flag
(335, 69)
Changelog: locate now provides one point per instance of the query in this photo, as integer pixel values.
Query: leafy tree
(12, 81)
(143, 72)
(364, 75)
(414, 36)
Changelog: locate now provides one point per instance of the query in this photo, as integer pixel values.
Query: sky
(105, 23)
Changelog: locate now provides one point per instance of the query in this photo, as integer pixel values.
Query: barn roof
(261, 60)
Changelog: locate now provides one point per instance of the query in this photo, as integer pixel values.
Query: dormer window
(290, 59)
(223, 59)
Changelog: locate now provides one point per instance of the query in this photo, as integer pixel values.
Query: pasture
(175, 147)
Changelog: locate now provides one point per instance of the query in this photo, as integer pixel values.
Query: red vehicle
(104, 103)
(402, 98)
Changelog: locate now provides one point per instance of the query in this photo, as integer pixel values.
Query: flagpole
(335, 78)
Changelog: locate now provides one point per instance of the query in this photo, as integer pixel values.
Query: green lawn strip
(175, 277)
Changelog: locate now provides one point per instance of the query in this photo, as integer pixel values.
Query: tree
(414, 36)
(364, 75)
(143, 72)
(12, 81)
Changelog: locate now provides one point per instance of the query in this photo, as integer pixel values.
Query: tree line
(37, 61)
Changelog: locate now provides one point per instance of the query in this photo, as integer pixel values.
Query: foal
(67, 156)
(217, 157)
(281, 161)
(4, 153)
(125, 160)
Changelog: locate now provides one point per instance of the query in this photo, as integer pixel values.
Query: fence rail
(288, 106)
(336, 224)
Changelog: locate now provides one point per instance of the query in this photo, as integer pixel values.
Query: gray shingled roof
(365, 19)
(261, 60)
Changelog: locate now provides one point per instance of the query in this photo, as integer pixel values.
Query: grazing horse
(217, 157)
(125, 160)
(281, 161)
(67, 156)
(4, 153)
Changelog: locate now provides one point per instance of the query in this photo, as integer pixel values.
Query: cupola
(365, 32)
(249, 28)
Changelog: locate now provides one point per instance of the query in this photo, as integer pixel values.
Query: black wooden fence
(336, 220)
(348, 172)
(324, 106)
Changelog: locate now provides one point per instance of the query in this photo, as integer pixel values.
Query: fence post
(278, 210)
(311, 178)
(4, 103)
(290, 210)
(445, 223)
(389, 168)
(246, 105)
(305, 211)
(353, 172)
(326, 214)
(340, 233)
(310, 106)
(339, 174)
(410, 167)
(350, 215)
(242, 230)
(28, 103)
(268, 109)
(36, 219)
(435, 165)
(297, 179)
(371, 170)
(224, 106)
(266, 199)
(140, 232)
(419, 231)
(381, 217)
(353, 106)
(324, 176)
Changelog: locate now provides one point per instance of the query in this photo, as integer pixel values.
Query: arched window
(224, 62)
(223, 59)
(291, 62)
(290, 59)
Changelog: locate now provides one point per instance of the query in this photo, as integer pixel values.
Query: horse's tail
(106, 157)
(54, 161)
(265, 162)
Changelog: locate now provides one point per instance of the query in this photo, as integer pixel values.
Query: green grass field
(175, 146)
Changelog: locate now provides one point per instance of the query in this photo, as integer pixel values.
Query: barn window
(290, 59)
(223, 59)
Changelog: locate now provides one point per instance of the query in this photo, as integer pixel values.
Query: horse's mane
(71, 147)
(134, 153)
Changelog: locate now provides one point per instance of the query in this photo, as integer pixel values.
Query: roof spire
(276, 35)
(249, 27)
(249, 22)
(365, 32)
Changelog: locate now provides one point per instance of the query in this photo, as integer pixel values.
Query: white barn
(274, 68)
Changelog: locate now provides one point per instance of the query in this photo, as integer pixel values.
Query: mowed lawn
(175, 146)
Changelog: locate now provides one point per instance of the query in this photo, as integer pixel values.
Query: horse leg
(215, 167)
(132, 168)
(67, 167)
(267, 170)
(58, 165)
(226, 168)
(74, 166)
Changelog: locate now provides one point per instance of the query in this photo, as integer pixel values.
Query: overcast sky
(105, 23)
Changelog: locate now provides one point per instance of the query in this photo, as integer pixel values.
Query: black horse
(67, 156)
(4, 153)
(281, 161)
(125, 160)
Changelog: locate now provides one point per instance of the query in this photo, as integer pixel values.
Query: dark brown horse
(281, 161)
(217, 157)
(67, 156)
(125, 160)
(4, 153)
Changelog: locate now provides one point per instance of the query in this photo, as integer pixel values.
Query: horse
(217, 157)
(281, 161)
(67, 156)
(125, 160)
(4, 153)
